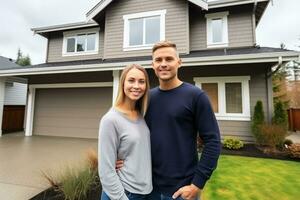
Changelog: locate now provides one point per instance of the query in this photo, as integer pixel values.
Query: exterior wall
(15, 94)
(176, 25)
(240, 33)
(55, 49)
(257, 86)
(71, 78)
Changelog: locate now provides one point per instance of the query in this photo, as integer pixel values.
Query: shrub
(257, 121)
(288, 142)
(294, 150)
(232, 143)
(280, 115)
(75, 183)
(273, 135)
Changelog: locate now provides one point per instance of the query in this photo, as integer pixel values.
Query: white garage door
(70, 112)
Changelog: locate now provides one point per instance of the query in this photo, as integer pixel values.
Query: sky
(280, 24)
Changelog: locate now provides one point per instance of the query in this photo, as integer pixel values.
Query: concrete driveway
(23, 158)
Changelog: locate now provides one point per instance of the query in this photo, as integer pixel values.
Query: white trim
(2, 97)
(158, 13)
(200, 3)
(30, 111)
(47, 29)
(195, 61)
(209, 18)
(226, 3)
(74, 34)
(97, 9)
(31, 97)
(222, 114)
(116, 76)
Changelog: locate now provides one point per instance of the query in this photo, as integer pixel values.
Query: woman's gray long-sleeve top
(129, 140)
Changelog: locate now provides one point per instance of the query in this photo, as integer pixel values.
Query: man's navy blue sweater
(174, 118)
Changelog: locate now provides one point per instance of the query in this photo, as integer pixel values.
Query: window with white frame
(229, 96)
(217, 29)
(81, 43)
(142, 30)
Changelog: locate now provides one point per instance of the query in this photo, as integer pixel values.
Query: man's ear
(179, 62)
(152, 64)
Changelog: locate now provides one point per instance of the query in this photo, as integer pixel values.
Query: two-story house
(76, 85)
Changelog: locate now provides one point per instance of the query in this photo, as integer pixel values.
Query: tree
(257, 121)
(22, 60)
(280, 117)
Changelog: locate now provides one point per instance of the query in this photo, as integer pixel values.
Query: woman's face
(134, 84)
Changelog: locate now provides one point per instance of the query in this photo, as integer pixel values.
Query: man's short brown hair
(163, 44)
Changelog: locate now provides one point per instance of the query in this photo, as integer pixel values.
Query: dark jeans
(131, 196)
(156, 195)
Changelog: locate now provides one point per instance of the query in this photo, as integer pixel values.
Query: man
(177, 112)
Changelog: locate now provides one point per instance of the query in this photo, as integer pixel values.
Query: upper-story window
(217, 29)
(81, 42)
(142, 30)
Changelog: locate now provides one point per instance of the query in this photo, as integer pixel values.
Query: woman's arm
(107, 153)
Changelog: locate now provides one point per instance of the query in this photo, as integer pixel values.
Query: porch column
(116, 76)
(29, 111)
(2, 93)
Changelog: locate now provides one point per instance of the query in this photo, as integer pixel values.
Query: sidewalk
(295, 137)
(24, 158)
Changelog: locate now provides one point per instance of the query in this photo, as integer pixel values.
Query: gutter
(187, 62)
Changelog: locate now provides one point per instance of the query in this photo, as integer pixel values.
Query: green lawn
(245, 178)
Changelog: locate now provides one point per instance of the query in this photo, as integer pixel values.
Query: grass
(245, 178)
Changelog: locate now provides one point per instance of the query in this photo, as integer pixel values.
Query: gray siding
(176, 24)
(257, 86)
(55, 43)
(240, 33)
(15, 94)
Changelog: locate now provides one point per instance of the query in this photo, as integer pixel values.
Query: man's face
(165, 63)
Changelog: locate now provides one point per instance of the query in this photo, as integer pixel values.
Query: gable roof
(205, 4)
(7, 63)
(104, 3)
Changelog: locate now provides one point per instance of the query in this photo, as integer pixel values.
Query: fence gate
(294, 119)
(13, 118)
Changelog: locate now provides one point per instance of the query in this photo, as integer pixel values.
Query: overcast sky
(280, 23)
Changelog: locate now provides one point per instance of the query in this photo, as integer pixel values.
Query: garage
(70, 112)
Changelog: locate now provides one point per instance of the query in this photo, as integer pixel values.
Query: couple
(159, 154)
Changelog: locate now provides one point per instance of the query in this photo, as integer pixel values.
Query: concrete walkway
(22, 159)
(294, 136)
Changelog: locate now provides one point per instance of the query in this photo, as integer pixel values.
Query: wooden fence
(294, 119)
(13, 118)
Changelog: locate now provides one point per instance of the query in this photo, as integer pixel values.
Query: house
(13, 92)
(76, 85)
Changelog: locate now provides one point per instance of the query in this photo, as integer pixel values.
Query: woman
(124, 135)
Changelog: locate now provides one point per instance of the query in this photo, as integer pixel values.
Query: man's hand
(119, 164)
(189, 192)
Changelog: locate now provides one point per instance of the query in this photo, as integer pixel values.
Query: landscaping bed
(252, 150)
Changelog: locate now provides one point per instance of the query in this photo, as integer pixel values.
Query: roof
(7, 63)
(195, 58)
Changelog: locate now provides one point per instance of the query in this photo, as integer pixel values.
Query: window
(142, 30)
(229, 96)
(80, 43)
(217, 29)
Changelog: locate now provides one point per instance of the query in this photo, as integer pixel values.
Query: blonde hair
(142, 103)
(162, 44)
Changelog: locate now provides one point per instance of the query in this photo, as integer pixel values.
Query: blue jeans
(156, 195)
(131, 196)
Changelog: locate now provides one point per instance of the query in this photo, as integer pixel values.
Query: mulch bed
(251, 150)
(52, 194)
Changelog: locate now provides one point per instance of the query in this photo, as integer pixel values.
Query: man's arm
(208, 129)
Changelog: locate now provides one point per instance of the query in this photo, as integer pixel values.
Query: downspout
(254, 22)
(269, 88)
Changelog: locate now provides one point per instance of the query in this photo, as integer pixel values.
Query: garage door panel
(70, 112)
